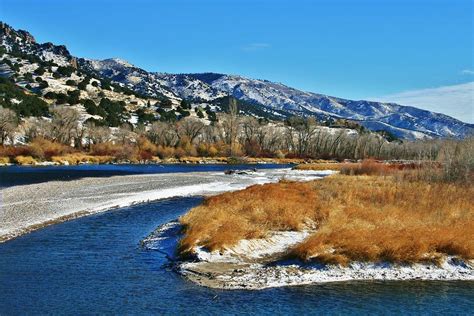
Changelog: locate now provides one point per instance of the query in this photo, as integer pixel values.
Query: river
(95, 265)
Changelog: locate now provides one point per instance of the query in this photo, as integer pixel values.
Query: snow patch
(252, 249)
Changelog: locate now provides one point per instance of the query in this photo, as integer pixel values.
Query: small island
(371, 221)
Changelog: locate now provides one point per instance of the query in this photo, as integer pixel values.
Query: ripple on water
(96, 265)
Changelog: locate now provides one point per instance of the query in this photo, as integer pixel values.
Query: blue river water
(95, 265)
(18, 175)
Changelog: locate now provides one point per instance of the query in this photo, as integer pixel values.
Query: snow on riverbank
(248, 250)
(260, 263)
(260, 276)
(29, 207)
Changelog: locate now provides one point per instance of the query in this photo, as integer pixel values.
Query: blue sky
(352, 49)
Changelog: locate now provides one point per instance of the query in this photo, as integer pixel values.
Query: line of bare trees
(232, 135)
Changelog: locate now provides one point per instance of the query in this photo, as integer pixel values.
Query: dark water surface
(95, 265)
(18, 175)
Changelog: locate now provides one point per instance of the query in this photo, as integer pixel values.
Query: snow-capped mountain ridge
(403, 121)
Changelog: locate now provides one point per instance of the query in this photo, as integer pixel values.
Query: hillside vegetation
(114, 109)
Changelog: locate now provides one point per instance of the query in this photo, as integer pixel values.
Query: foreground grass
(357, 218)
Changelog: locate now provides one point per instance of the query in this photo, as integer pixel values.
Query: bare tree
(124, 134)
(300, 132)
(190, 128)
(230, 123)
(38, 127)
(8, 124)
(162, 133)
(65, 124)
(97, 134)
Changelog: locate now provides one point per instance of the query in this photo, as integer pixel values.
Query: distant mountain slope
(269, 99)
(403, 121)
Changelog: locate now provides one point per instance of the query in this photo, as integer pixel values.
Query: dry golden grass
(4, 160)
(25, 160)
(328, 165)
(77, 158)
(225, 219)
(366, 218)
(275, 160)
(366, 167)
(376, 168)
(381, 219)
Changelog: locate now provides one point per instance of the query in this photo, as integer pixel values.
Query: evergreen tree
(166, 104)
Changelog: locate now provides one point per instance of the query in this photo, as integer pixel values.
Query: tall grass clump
(225, 219)
(356, 218)
(381, 219)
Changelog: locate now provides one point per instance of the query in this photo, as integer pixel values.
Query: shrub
(39, 71)
(279, 154)
(105, 149)
(128, 153)
(43, 85)
(45, 149)
(25, 160)
(165, 152)
(119, 152)
(212, 151)
(202, 150)
(30, 105)
(65, 71)
(77, 158)
(146, 149)
(367, 167)
(13, 151)
(179, 152)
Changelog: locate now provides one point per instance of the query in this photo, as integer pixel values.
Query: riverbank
(388, 225)
(237, 276)
(263, 263)
(79, 158)
(29, 207)
(256, 264)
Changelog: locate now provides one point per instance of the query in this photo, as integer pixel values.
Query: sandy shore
(29, 207)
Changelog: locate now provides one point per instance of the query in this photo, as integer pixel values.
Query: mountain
(260, 98)
(283, 101)
(35, 77)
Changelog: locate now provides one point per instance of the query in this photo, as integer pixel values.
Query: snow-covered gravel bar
(28, 207)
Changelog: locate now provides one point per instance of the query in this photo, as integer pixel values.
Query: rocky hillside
(282, 101)
(48, 69)
(34, 77)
